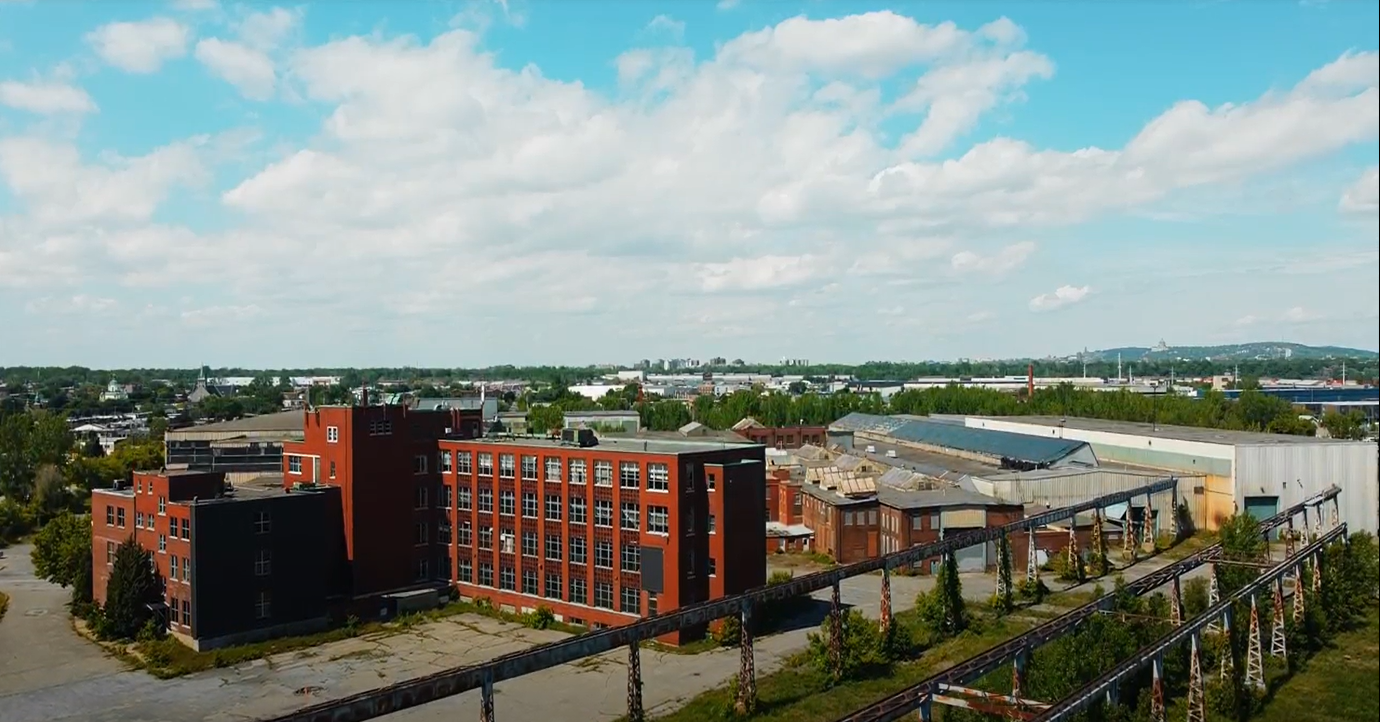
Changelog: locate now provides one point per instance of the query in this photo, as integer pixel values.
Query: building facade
(237, 564)
(603, 532)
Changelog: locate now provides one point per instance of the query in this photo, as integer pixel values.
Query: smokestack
(1030, 381)
(363, 394)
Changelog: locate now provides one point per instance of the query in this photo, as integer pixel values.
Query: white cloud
(757, 274)
(727, 4)
(249, 70)
(1061, 297)
(140, 47)
(1363, 197)
(196, 5)
(45, 97)
(1290, 316)
(220, 315)
(981, 316)
(999, 263)
(667, 25)
(79, 304)
(267, 30)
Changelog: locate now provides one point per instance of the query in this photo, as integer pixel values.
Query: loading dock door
(1263, 507)
(971, 559)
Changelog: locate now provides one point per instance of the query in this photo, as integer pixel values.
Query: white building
(1255, 472)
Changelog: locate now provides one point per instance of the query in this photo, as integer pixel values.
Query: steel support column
(1148, 530)
(747, 668)
(1336, 512)
(1289, 540)
(1018, 664)
(1317, 574)
(635, 682)
(1298, 595)
(926, 711)
(1214, 596)
(886, 599)
(1255, 665)
(1032, 559)
(835, 632)
(1197, 698)
(1099, 543)
(1278, 643)
(1176, 603)
(1075, 561)
(1157, 689)
(1227, 663)
(1174, 513)
(486, 699)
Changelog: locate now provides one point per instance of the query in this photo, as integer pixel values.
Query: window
(443, 532)
(553, 468)
(486, 501)
(462, 498)
(577, 471)
(553, 507)
(603, 513)
(631, 601)
(466, 572)
(419, 464)
(462, 462)
(658, 520)
(110, 552)
(603, 595)
(380, 427)
(186, 529)
(713, 567)
(138, 520)
(421, 500)
(651, 605)
(486, 464)
(529, 467)
(447, 496)
(529, 506)
(120, 517)
(486, 537)
(629, 475)
(419, 533)
(603, 473)
(423, 569)
(139, 486)
(688, 524)
(630, 558)
(577, 510)
(505, 541)
(553, 547)
(709, 482)
(464, 533)
(713, 525)
(507, 579)
(530, 582)
(578, 591)
(294, 464)
(332, 467)
(630, 516)
(173, 567)
(263, 605)
(659, 477)
(332, 434)
(529, 543)
(443, 462)
(162, 544)
(507, 504)
(109, 515)
(486, 574)
(577, 550)
(263, 563)
(603, 554)
(162, 506)
(506, 466)
(553, 586)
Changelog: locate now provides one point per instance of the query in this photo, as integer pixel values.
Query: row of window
(576, 591)
(115, 517)
(576, 470)
(577, 547)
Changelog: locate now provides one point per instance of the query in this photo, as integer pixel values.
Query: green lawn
(1339, 684)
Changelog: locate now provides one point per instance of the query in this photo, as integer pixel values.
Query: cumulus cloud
(1061, 297)
(80, 303)
(1363, 197)
(1001, 262)
(140, 47)
(249, 70)
(45, 98)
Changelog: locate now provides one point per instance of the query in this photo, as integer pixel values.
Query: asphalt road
(49, 674)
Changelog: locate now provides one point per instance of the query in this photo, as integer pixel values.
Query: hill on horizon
(1254, 351)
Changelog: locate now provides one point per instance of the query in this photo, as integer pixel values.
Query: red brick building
(781, 437)
(237, 563)
(603, 531)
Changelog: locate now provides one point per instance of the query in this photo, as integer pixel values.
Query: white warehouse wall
(1294, 472)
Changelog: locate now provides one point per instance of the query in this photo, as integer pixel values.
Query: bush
(152, 631)
(729, 631)
(1033, 590)
(351, 626)
(942, 609)
(1195, 593)
(780, 576)
(542, 618)
(865, 650)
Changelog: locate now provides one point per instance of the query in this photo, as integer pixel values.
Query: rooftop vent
(583, 438)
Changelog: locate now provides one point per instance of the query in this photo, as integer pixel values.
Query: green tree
(132, 588)
(1004, 600)
(62, 551)
(942, 609)
(863, 646)
(1349, 425)
(545, 418)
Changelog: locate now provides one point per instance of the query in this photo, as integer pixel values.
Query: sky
(460, 184)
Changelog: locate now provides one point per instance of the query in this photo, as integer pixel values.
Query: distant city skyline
(479, 183)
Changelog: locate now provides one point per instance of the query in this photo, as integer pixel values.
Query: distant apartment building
(603, 531)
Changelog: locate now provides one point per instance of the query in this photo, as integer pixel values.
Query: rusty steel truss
(450, 682)
(921, 696)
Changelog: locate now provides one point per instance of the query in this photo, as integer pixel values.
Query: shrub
(729, 631)
(542, 618)
(780, 576)
(864, 648)
(1195, 593)
(1032, 590)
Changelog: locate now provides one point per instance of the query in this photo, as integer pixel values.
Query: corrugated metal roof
(1002, 444)
(281, 421)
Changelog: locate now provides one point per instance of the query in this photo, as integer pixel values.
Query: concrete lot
(48, 674)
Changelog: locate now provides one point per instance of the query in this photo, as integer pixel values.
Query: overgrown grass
(1189, 546)
(1339, 683)
(4, 605)
(699, 646)
(167, 657)
(801, 693)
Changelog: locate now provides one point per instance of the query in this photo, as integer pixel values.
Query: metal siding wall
(1294, 472)
(970, 518)
(1079, 487)
(1160, 459)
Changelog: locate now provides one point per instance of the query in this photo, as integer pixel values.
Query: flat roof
(636, 443)
(1001, 444)
(1163, 431)
(905, 499)
(279, 421)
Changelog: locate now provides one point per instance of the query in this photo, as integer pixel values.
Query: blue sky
(468, 183)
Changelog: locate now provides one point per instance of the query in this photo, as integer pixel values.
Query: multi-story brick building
(781, 437)
(384, 461)
(603, 532)
(238, 563)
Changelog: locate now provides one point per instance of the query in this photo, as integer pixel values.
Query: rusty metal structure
(484, 676)
(1190, 632)
(921, 697)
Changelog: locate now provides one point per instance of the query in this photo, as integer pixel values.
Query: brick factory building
(238, 563)
(604, 531)
(780, 437)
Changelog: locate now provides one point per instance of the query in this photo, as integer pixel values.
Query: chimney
(363, 393)
(1030, 381)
